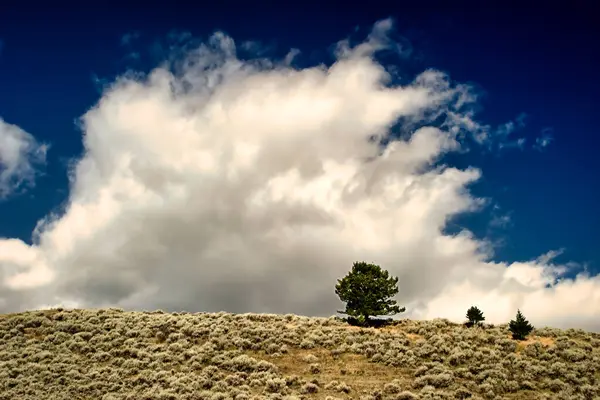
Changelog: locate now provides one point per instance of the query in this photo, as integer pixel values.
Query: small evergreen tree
(520, 327)
(367, 290)
(474, 316)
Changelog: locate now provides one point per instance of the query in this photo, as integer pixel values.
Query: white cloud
(252, 186)
(19, 155)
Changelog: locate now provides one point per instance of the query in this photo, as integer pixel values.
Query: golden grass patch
(34, 333)
(385, 330)
(522, 344)
(355, 370)
(413, 336)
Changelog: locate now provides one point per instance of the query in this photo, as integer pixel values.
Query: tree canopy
(367, 291)
(520, 327)
(474, 316)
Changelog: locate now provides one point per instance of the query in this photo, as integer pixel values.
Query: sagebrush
(110, 354)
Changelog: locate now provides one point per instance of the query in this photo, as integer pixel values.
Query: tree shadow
(371, 322)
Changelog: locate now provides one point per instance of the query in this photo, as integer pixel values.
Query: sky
(190, 158)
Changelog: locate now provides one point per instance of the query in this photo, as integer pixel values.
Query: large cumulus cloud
(251, 186)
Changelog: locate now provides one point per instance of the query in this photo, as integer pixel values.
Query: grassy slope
(111, 354)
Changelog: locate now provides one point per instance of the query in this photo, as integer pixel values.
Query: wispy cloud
(492, 139)
(216, 183)
(547, 136)
(549, 256)
(500, 221)
(20, 155)
(521, 119)
(129, 38)
(128, 42)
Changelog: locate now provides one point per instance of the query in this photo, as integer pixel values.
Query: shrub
(406, 395)
(331, 385)
(310, 358)
(275, 385)
(310, 388)
(343, 387)
(392, 388)
(462, 393)
(440, 380)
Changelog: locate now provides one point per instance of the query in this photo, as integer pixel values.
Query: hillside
(110, 354)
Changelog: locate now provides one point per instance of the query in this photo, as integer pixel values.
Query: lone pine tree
(367, 291)
(474, 316)
(520, 327)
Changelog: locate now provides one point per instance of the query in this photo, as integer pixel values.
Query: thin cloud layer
(20, 153)
(250, 186)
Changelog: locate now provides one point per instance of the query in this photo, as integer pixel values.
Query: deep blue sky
(542, 61)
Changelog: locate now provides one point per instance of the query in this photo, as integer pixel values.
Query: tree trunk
(367, 321)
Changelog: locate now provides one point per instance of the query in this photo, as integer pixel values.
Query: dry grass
(356, 370)
(544, 341)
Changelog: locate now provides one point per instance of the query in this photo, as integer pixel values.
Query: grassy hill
(110, 354)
